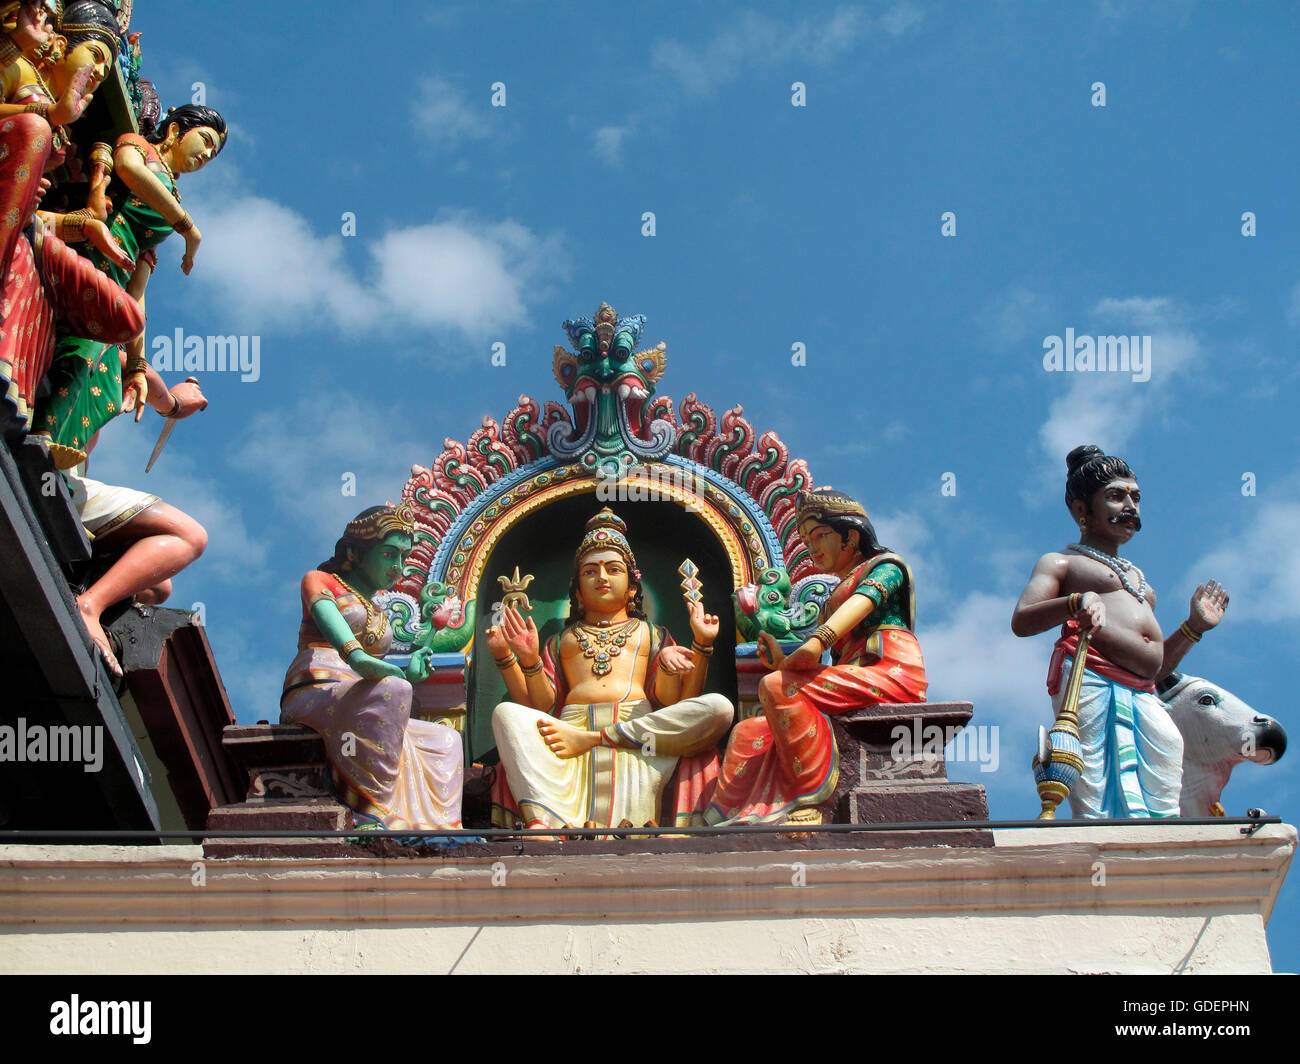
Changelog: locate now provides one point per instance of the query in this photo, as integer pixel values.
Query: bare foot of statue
(90, 618)
(565, 740)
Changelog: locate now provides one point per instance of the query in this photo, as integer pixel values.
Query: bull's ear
(1170, 681)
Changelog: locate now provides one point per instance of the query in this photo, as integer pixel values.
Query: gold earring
(1083, 526)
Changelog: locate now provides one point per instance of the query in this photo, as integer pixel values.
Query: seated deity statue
(780, 766)
(601, 716)
(392, 771)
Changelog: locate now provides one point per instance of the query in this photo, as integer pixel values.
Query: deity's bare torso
(1131, 636)
(625, 680)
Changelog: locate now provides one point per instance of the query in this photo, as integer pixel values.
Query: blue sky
(775, 224)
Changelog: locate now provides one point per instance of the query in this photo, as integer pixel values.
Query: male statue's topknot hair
(1088, 470)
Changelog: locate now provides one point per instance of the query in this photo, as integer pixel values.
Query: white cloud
(608, 144)
(1108, 408)
(1293, 308)
(183, 479)
(973, 657)
(463, 274)
(760, 41)
(1260, 566)
(297, 457)
(443, 113)
(456, 273)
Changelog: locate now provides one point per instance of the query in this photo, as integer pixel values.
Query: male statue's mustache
(1121, 518)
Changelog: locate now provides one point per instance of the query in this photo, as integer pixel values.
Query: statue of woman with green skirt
(90, 381)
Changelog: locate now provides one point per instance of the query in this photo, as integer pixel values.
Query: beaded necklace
(603, 644)
(1119, 566)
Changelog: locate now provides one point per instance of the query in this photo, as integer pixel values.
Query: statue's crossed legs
(621, 781)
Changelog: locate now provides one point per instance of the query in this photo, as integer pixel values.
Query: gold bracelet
(136, 365)
(506, 662)
(348, 649)
(40, 107)
(183, 224)
(1074, 602)
(1187, 631)
(103, 154)
(700, 649)
(826, 636)
(533, 669)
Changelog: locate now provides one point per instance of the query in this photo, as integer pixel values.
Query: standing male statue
(1132, 752)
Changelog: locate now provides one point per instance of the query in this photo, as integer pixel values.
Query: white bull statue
(1219, 732)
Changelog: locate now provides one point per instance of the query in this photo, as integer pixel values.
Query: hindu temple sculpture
(600, 716)
(393, 771)
(781, 765)
(32, 52)
(1113, 732)
(90, 382)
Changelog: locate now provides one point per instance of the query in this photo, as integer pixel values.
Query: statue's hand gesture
(521, 636)
(135, 390)
(76, 98)
(676, 660)
(496, 642)
(193, 238)
(98, 234)
(769, 651)
(704, 626)
(1092, 613)
(1209, 601)
(421, 665)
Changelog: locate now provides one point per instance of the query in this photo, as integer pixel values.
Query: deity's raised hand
(704, 626)
(1209, 601)
(76, 98)
(521, 635)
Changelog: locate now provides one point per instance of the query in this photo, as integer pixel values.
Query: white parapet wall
(1140, 899)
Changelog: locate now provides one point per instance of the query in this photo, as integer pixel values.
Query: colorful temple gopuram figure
(392, 771)
(603, 714)
(781, 765)
(91, 382)
(26, 139)
(1132, 753)
(29, 51)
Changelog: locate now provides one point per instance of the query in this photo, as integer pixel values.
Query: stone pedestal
(892, 770)
(289, 789)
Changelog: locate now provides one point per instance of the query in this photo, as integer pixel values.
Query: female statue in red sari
(779, 767)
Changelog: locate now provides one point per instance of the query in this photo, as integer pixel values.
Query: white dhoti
(105, 507)
(1132, 752)
(608, 785)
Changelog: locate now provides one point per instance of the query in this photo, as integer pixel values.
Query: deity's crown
(824, 502)
(383, 523)
(606, 531)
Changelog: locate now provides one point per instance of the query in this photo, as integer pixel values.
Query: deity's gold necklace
(370, 631)
(603, 644)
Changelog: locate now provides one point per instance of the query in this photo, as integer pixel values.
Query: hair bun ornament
(1084, 453)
